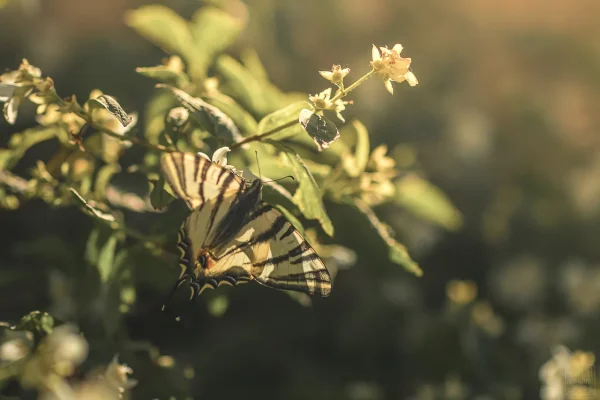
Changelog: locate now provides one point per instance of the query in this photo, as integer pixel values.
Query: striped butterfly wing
(285, 260)
(231, 236)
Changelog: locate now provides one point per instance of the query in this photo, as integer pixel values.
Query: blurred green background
(504, 120)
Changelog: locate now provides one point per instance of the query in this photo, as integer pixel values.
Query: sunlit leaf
(106, 259)
(259, 97)
(308, 196)
(355, 164)
(291, 218)
(397, 251)
(91, 210)
(159, 197)
(164, 74)
(252, 62)
(208, 117)
(103, 177)
(38, 322)
(21, 142)
(213, 31)
(427, 201)
(92, 247)
(242, 118)
(322, 130)
(165, 28)
(284, 120)
(112, 106)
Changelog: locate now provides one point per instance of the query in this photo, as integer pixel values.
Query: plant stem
(344, 91)
(263, 135)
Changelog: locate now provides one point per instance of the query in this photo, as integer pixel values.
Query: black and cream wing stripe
(198, 180)
(242, 237)
(278, 255)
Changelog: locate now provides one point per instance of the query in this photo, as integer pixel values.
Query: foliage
(204, 99)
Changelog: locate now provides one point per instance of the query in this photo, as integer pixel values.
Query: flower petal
(375, 54)
(220, 156)
(411, 78)
(327, 75)
(397, 48)
(388, 86)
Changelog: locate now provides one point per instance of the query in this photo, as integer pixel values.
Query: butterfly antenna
(278, 179)
(258, 165)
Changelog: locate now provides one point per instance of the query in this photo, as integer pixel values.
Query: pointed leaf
(242, 118)
(164, 74)
(91, 210)
(106, 259)
(112, 106)
(427, 201)
(354, 165)
(21, 142)
(159, 197)
(213, 31)
(166, 29)
(322, 130)
(283, 120)
(308, 196)
(92, 247)
(208, 117)
(103, 177)
(397, 252)
(257, 96)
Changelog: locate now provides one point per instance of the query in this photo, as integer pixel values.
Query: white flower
(390, 66)
(220, 157)
(336, 75)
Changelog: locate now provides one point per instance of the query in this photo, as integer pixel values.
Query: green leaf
(157, 107)
(166, 29)
(322, 130)
(259, 97)
(91, 210)
(164, 74)
(291, 218)
(285, 120)
(39, 323)
(427, 201)
(208, 117)
(21, 142)
(252, 62)
(242, 118)
(213, 31)
(112, 106)
(397, 252)
(354, 165)
(159, 197)
(308, 196)
(92, 247)
(103, 177)
(106, 259)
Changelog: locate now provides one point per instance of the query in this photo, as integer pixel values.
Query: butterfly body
(231, 236)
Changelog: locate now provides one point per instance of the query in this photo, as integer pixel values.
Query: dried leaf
(112, 106)
(322, 130)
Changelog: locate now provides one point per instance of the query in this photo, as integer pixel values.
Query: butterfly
(231, 236)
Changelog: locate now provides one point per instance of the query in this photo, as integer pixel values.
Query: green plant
(205, 100)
